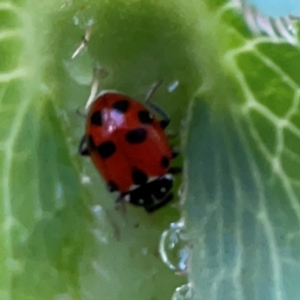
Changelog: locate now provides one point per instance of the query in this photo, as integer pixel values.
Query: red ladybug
(129, 147)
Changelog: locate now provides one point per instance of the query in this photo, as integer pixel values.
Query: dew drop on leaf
(174, 249)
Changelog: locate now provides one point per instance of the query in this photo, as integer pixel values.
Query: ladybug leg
(82, 148)
(172, 134)
(165, 118)
(175, 152)
(120, 203)
(164, 123)
(175, 170)
(112, 187)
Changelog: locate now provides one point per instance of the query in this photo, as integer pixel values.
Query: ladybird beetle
(130, 149)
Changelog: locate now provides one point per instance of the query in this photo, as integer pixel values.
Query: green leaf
(242, 171)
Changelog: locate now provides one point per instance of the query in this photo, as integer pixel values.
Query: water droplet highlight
(184, 292)
(85, 17)
(85, 179)
(100, 229)
(173, 86)
(181, 192)
(97, 210)
(173, 248)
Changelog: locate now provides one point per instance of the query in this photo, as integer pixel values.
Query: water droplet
(97, 210)
(81, 68)
(85, 17)
(181, 192)
(173, 86)
(100, 230)
(58, 191)
(174, 249)
(184, 292)
(85, 179)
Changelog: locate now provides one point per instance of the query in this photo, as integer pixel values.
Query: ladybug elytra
(130, 149)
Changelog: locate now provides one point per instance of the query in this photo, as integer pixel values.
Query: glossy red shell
(145, 156)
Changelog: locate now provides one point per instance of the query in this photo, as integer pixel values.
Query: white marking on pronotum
(152, 178)
(133, 187)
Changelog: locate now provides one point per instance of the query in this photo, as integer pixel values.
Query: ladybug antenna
(152, 90)
(82, 45)
(99, 73)
(157, 109)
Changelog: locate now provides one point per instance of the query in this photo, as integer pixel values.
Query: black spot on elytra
(145, 117)
(106, 149)
(136, 136)
(139, 177)
(96, 118)
(112, 186)
(164, 162)
(121, 106)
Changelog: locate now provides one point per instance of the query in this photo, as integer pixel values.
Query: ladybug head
(154, 194)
